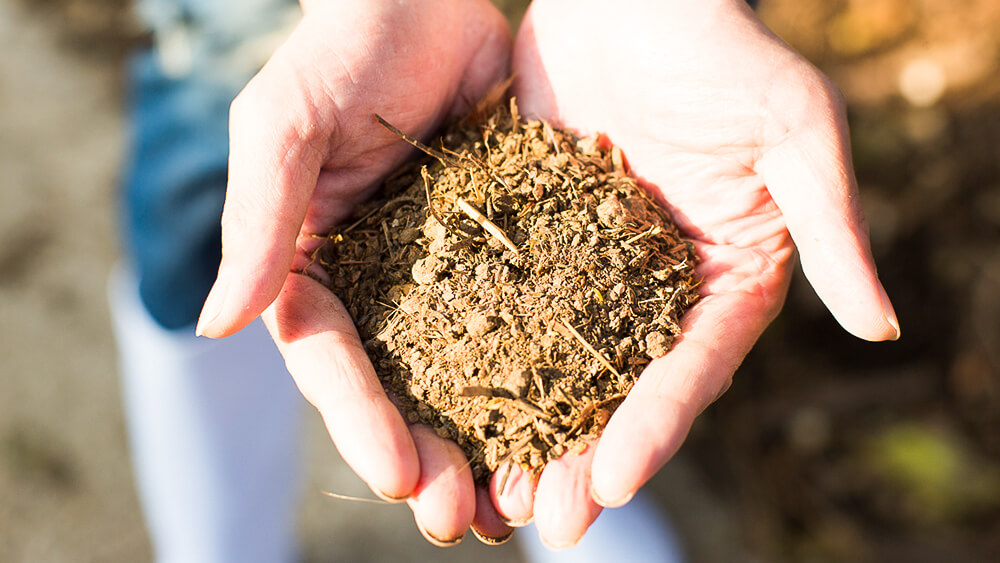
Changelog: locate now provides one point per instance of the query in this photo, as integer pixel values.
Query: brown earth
(516, 330)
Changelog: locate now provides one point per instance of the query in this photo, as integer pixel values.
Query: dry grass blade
(520, 402)
(651, 232)
(482, 110)
(508, 459)
(486, 224)
(339, 496)
(600, 357)
(430, 204)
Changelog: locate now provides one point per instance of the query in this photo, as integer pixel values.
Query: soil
(515, 313)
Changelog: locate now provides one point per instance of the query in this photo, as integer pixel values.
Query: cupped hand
(747, 144)
(305, 148)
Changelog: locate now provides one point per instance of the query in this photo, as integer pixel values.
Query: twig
(522, 403)
(430, 204)
(444, 158)
(362, 219)
(385, 231)
(426, 149)
(600, 357)
(488, 225)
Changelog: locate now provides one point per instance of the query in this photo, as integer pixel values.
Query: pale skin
(745, 141)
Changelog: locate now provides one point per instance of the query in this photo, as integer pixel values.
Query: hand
(748, 145)
(305, 148)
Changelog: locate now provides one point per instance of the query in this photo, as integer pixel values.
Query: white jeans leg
(214, 429)
(638, 531)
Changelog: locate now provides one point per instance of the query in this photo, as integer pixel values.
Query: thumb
(275, 157)
(809, 175)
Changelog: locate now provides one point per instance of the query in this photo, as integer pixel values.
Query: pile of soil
(516, 312)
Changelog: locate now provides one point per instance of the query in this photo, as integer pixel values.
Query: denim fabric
(175, 176)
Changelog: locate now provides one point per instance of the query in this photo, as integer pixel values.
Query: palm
(313, 105)
(746, 144)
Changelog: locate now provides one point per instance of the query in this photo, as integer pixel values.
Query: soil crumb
(515, 312)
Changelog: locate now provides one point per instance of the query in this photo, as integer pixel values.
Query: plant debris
(510, 286)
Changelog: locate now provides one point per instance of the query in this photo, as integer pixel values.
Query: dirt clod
(514, 314)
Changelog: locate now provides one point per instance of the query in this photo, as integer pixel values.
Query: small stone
(397, 293)
(425, 271)
(657, 345)
(536, 458)
(539, 190)
(610, 213)
(408, 235)
(482, 271)
(480, 324)
(434, 230)
(518, 382)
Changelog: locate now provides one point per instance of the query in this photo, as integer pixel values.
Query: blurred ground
(825, 448)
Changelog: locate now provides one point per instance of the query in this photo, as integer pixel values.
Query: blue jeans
(175, 176)
(213, 425)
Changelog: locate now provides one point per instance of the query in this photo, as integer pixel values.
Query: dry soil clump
(515, 313)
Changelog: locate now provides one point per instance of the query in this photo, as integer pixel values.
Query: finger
(325, 357)
(276, 152)
(809, 175)
(532, 87)
(564, 507)
(444, 501)
(513, 492)
(487, 524)
(718, 332)
(489, 65)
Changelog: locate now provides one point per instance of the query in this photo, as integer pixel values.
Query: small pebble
(610, 213)
(480, 324)
(657, 345)
(425, 271)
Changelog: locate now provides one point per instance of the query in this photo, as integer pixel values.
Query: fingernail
(434, 539)
(490, 540)
(890, 313)
(388, 498)
(611, 504)
(213, 307)
(558, 546)
(518, 523)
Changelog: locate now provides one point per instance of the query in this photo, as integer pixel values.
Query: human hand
(748, 144)
(305, 148)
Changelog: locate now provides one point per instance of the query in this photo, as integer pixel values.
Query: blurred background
(825, 449)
